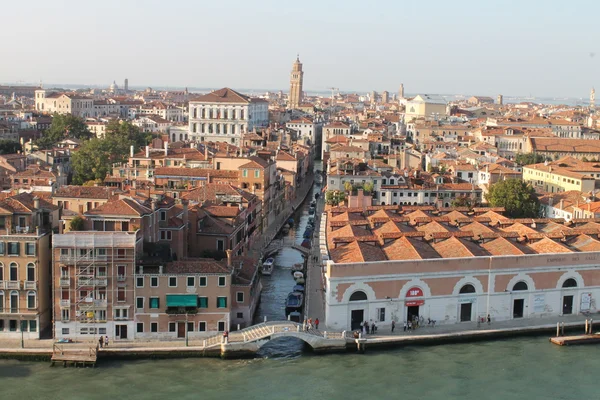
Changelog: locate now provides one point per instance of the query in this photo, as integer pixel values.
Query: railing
(92, 281)
(30, 284)
(2, 284)
(121, 278)
(65, 281)
(13, 285)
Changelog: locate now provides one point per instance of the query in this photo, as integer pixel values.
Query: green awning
(182, 300)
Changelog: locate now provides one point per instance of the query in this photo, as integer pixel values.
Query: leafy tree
(368, 188)
(334, 197)
(348, 187)
(516, 196)
(63, 127)
(9, 146)
(76, 224)
(463, 201)
(529, 158)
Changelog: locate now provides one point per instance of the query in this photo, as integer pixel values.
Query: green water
(530, 368)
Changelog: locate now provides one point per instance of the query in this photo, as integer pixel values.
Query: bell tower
(296, 78)
(593, 98)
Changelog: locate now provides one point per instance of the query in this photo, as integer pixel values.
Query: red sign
(414, 292)
(414, 303)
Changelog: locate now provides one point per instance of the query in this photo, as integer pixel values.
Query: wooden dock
(74, 356)
(576, 340)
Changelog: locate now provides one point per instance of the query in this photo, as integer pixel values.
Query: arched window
(1, 272)
(358, 296)
(31, 272)
(468, 288)
(520, 286)
(14, 301)
(14, 271)
(570, 283)
(31, 297)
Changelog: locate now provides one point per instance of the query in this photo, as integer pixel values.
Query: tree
(76, 224)
(348, 187)
(9, 146)
(334, 197)
(368, 188)
(63, 127)
(463, 201)
(516, 196)
(529, 158)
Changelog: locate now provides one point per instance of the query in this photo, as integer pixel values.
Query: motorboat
(267, 267)
(294, 301)
(298, 288)
(307, 234)
(297, 267)
(299, 277)
(306, 243)
(311, 211)
(290, 222)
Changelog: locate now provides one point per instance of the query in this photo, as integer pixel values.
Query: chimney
(166, 148)
(147, 151)
(36, 203)
(131, 151)
(160, 269)
(228, 258)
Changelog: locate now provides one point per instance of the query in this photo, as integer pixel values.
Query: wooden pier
(74, 356)
(576, 340)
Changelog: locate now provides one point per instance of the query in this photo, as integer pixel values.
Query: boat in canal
(297, 267)
(299, 277)
(267, 267)
(298, 288)
(294, 302)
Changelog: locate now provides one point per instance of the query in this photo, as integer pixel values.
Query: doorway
(518, 308)
(412, 313)
(567, 305)
(465, 312)
(357, 318)
(121, 331)
(181, 329)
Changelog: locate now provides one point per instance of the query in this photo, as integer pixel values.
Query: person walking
(405, 325)
(366, 326)
(393, 325)
(372, 328)
(101, 341)
(106, 341)
(489, 319)
(317, 323)
(364, 330)
(309, 324)
(409, 325)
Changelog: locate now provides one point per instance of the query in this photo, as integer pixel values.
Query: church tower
(296, 78)
(593, 98)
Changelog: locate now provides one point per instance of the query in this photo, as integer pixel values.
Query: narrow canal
(277, 286)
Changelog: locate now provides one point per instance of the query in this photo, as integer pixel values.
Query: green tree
(463, 201)
(368, 188)
(348, 187)
(529, 158)
(516, 196)
(76, 224)
(334, 197)
(63, 127)
(9, 146)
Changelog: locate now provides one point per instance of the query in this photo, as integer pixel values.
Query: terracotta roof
(120, 207)
(224, 95)
(565, 145)
(84, 192)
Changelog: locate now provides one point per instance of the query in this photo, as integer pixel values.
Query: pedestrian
(393, 325)
(372, 328)
(405, 325)
(101, 341)
(317, 323)
(489, 319)
(309, 323)
(366, 326)
(409, 325)
(106, 341)
(364, 330)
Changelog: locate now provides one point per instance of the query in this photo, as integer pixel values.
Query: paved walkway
(315, 296)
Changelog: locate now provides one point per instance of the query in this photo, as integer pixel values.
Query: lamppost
(186, 328)
(22, 326)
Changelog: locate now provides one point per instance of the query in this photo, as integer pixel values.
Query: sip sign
(414, 292)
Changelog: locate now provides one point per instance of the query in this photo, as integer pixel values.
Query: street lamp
(22, 323)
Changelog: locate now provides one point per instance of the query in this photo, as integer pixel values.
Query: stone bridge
(247, 342)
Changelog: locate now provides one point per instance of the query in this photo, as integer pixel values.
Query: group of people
(310, 324)
(103, 341)
(369, 328)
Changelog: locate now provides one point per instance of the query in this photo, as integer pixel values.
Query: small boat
(290, 222)
(294, 301)
(297, 267)
(295, 316)
(299, 277)
(307, 234)
(311, 220)
(298, 288)
(311, 211)
(306, 243)
(267, 267)
(313, 203)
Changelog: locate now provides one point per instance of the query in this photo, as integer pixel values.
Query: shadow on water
(14, 370)
(284, 347)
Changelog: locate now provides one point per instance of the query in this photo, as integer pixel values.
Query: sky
(484, 47)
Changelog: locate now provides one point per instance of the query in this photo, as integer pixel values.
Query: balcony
(121, 278)
(2, 285)
(85, 281)
(31, 285)
(65, 281)
(65, 303)
(13, 285)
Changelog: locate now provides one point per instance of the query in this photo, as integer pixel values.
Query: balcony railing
(2, 285)
(88, 303)
(65, 281)
(92, 281)
(31, 285)
(121, 278)
(13, 285)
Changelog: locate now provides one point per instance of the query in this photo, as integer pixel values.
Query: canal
(277, 286)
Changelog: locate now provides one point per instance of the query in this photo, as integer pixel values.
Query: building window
(121, 272)
(172, 281)
(202, 302)
(221, 326)
(140, 327)
(154, 302)
(14, 272)
(2, 249)
(202, 281)
(31, 272)
(222, 281)
(202, 326)
(191, 281)
(171, 326)
(190, 327)
(220, 245)
(1, 302)
(257, 173)
(166, 235)
(163, 215)
(139, 303)
(245, 173)
(240, 315)
(139, 281)
(65, 331)
(221, 302)
(121, 294)
(154, 281)
(13, 248)
(239, 297)
(154, 327)
(14, 301)
(31, 300)
(30, 249)
(382, 314)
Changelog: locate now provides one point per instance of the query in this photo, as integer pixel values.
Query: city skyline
(475, 49)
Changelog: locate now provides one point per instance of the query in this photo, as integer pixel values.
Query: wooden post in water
(265, 319)
(562, 328)
(557, 329)
(591, 326)
(586, 326)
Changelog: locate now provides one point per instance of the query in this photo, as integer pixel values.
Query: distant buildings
(426, 106)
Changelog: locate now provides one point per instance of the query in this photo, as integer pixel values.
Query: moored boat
(294, 301)
(299, 277)
(267, 267)
(297, 267)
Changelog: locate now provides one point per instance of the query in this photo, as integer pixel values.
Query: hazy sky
(543, 48)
